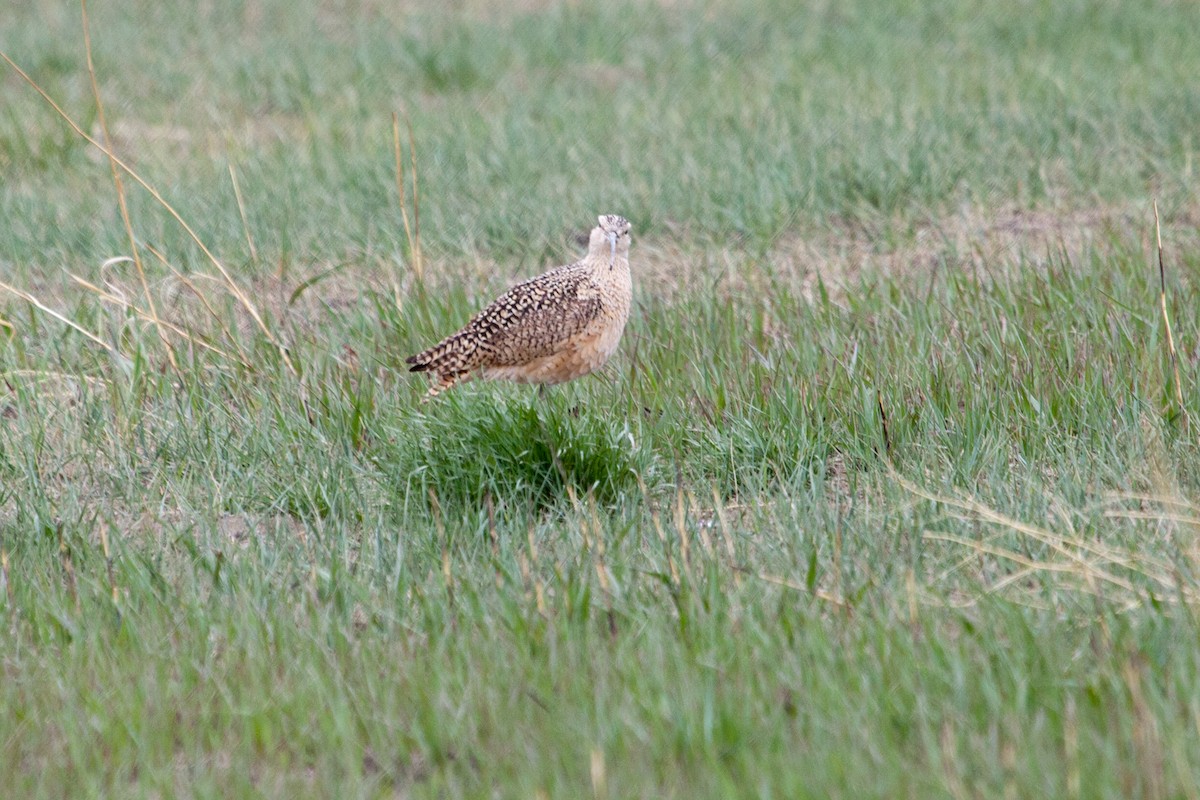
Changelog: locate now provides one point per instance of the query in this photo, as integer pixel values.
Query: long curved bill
(612, 244)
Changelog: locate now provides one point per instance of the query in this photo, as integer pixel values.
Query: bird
(554, 328)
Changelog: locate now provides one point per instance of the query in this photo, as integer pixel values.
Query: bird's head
(610, 238)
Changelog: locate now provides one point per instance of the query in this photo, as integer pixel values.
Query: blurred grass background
(699, 120)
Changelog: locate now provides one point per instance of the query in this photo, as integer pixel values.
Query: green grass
(707, 572)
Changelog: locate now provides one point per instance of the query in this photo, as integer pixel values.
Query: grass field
(888, 493)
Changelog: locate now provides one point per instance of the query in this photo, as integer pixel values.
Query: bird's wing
(536, 317)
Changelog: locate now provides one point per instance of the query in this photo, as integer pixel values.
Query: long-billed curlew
(554, 328)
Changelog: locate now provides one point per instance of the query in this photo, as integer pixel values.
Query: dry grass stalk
(185, 281)
(719, 512)
(44, 375)
(785, 583)
(883, 421)
(228, 280)
(539, 591)
(656, 521)
(411, 232)
(120, 189)
(1137, 497)
(1153, 516)
(1162, 299)
(1032, 566)
(1090, 563)
(6, 585)
(680, 519)
(1148, 746)
(702, 525)
(952, 761)
(599, 774)
(38, 304)
(237, 195)
(68, 567)
(162, 324)
(108, 564)
(1061, 544)
(412, 160)
(1071, 747)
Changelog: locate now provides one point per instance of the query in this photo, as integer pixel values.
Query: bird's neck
(604, 263)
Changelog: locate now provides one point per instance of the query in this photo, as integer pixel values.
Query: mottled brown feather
(555, 327)
(530, 320)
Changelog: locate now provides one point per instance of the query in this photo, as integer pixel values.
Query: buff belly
(582, 355)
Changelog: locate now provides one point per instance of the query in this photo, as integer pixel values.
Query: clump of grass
(525, 451)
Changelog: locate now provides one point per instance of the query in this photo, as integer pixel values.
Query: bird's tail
(421, 361)
(452, 354)
(450, 360)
